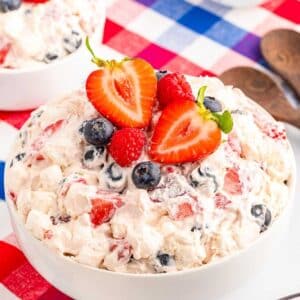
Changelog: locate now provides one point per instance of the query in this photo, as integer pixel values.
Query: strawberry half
(123, 92)
(182, 134)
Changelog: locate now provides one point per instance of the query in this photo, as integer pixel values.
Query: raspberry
(126, 145)
(102, 211)
(173, 87)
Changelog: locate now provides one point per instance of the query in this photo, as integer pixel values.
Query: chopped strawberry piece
(173, 87)
(12, 196)
(232, 182)
(46, 134)
(184, 210)
(48, 234)
(36, 1)
(123, 248)
(126, 145)
(3, 52)
(221, 201)
(270, 129)
(124, 92)
(102, 211)
(183, 135)
(235, 144)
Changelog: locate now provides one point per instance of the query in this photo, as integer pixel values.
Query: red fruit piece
(173, 87)
(183, 135)
(232, 182)
(102, 211)
(46, 134)
(126, 145)
(123, 249)
(124, 92)
(3, 52)
(270, 129)
(235, 144)
(36, 1)
(184, 210)
(221, 201)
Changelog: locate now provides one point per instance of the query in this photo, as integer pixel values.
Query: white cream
(55, 194)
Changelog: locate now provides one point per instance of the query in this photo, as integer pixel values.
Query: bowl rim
(225, 259)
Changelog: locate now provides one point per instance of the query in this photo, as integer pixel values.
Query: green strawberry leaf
(224, 121)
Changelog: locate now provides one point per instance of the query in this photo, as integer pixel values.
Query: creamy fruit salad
(38, 32)
(149, 173)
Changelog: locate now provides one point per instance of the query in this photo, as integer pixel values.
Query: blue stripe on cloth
(199, 20)
(173, 9)
(2, 165)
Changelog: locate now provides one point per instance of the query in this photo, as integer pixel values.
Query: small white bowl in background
(22, 89)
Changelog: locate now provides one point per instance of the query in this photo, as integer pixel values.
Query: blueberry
(163, 258)
(94, 157)
(204, 180)
(50, 57)
(212, 104)
(114, 172)
(72, 42)
(98, 131)
(146, 175)
(262, 214)
(18, 157)
(196, 228)
(160, 74)
(9, 5)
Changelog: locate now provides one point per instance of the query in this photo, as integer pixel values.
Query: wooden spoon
(281, 50)
(264, 90)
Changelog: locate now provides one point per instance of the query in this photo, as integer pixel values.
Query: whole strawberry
(173, 87)
(126, 145)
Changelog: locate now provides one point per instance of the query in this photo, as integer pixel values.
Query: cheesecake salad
(39, 32)
(149, 173)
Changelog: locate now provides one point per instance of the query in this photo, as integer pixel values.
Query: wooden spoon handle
(281, 50)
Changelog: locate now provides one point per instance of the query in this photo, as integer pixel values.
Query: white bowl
(206, 282)
(31, 87)
(240, 3)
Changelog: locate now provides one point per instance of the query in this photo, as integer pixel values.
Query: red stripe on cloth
(16, 119)
(289, 9)
(110, 30)
(272, 5)
(184, 66)
(10, 259)
(128, 43)
(53, 293)
(156, 56)
(26, 283)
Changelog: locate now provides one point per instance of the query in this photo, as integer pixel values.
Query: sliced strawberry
(183, 135)
(184, 210)
(232, 182)
(124, 92)
(102, 211)
(3, 52)
(221, 201)
(46, 134)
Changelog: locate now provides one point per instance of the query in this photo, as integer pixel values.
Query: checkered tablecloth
(196, 37)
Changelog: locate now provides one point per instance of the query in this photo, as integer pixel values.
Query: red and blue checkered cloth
(196, 37)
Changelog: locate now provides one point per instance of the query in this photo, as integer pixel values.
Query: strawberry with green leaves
(187, 131)
(124, 92)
